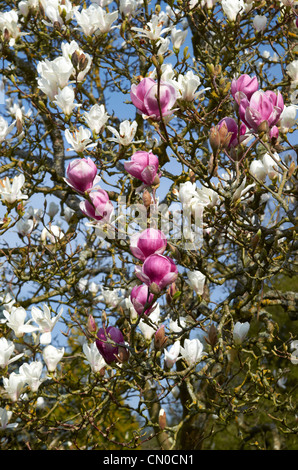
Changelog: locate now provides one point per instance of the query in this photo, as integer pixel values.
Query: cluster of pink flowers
(82, 177)
(258, 110)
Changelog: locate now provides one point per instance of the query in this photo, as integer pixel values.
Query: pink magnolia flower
(263, 106)
(82, 174)
(147, 243)
(140, 297)
(143, 166)
(236, 134)
(153, 102)
(244, 85)
(157, 272)
(100, 206)
(104, 344)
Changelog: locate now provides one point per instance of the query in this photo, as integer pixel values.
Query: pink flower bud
(141, 297)
(157, 272)
(108, 350)
(100, 206)
(147, 243)
(233, 135)
(153, 102)
(81, 174)
(262, 106)
(143, 166)
(244, 84)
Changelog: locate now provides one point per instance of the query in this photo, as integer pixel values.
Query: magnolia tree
(148, 244)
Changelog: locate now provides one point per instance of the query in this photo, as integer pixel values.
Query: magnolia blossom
(16, 321)
(191, 351)
(5, 416)
(94, 20)
(153, 29)
(14, 385)
(79, 139)
(196, 280)
(94, 358)
(82, 175)
(5, 129)
(9, 25)
(45, 322)
(58, 11)
(54, 74)
(171, 356)
(6, 350)
(31, 373)
(240, 332)
(143, 166)
(70, 51)
(259, 22)
(178, 37)
(65, 100)
(158, 271)
(52, 356)
(232, 8)
(96, 118)
(147, 242)
(292, 71)
(126, 133)
(148, 329)
(54, 233)
(11, 192)
(108, 343)
(153, 99)
(141, 297)
(288, 118)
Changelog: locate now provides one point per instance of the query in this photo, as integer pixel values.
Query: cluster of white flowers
(30, 373)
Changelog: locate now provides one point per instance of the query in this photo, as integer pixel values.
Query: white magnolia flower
(94, 358)
(192, 351)
(292, 70)
(94, 20)
(25, 226)
(171, 356)
(5, 129)
(126, 133)
(45, 322)
(53, 234)
(11, 192)
(240, 332)
(257, 169)
(58, 11)
(79, 139)
(288, 118)
(14, 385)
(65, 100)
(31, 373)
(16, 321)
(54, 74)
(5, 416)
(187, 85)
(178, 37)
(232, 8)
(196, 280)
(9, 25)
(153, 30)
(96, 118)
(6, 350)
(146, 328)
(52, 356)
(259, 22)
(177, 325)
(68, 49)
